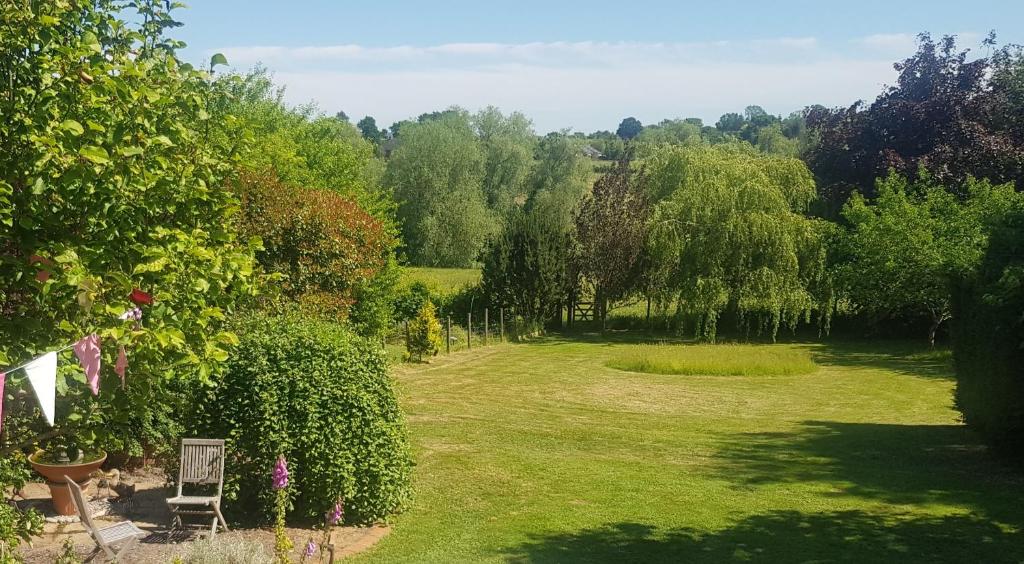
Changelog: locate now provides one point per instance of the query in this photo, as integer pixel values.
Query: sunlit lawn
(714, 360)
(442, 280)
(542, 453)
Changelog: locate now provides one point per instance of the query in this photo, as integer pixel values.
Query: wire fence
(486, 327)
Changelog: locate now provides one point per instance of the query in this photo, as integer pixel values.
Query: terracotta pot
(54, 474)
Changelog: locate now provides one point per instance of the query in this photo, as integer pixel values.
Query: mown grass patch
(714, 360)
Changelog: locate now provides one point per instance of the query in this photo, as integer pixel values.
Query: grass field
(714, 360)
(541, 453)
(442, 280)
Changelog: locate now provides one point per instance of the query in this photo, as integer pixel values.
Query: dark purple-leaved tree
(610, 228)
(951, 114)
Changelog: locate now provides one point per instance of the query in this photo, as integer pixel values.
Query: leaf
(72, 126)
(89, 40)
(218, 59)
(130, 151)
(95, 154)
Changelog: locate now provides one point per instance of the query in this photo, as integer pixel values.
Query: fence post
(448, 337)
(469, 330)
(407, 334)
(501, 317)
(486, 328)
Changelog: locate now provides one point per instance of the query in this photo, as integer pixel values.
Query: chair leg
(223, 521)
(213, 528)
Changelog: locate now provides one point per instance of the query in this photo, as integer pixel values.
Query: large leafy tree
(561, 177)
(525, 267)
(611, 226)
(629, 128)
(902, 250)
(946, 113)
(111, 180)
(299, 145)
(368, 128)
(731, 233)
(436, 174)
(508, 144)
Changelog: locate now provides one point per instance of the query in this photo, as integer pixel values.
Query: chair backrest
(83, 508)
(202, 462)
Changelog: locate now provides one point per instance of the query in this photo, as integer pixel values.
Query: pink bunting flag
(87, 349)
(3, 377)
(122, 364)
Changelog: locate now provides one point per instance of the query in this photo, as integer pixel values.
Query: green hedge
(988, 340)
(323, 397)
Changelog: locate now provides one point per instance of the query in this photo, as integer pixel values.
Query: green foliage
(949, 112)
(730, 236)
(611, 227)
(715, 360)
(299, 145)
(68, 553)
(330, 251)
(629, 128)
(988, 349)
(109, 181)
(411, 299)
(436, 174)
(525, 267)
(560, 179)
(320, 395)
(424, 333)
(508, 144)
(899, 252)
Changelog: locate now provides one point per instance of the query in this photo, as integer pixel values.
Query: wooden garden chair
(112, 540)
(202, 463)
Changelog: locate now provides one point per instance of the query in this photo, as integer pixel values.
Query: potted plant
(66, 459)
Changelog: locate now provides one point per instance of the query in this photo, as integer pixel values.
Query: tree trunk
(937, 320)
(648, 320)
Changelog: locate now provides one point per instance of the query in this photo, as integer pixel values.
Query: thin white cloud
(906, 43)
(584, 85)
(889, 41)
(548, 53)
(592, 98)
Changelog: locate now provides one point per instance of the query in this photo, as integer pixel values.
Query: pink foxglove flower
(336, 514)
(310, 548)
(281, 473)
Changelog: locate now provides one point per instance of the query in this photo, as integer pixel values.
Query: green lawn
(714, 360)
(541, 453)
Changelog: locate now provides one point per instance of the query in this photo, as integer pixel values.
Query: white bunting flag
(42, 373)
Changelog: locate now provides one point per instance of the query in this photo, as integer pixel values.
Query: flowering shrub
(321, 396)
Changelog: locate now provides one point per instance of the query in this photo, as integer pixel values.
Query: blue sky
(580, 65)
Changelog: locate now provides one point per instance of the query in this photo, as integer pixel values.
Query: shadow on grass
(786, 536)
(901, 357)
(897, 464)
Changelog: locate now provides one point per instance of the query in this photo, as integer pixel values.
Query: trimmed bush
(988, 340)
(322, 396)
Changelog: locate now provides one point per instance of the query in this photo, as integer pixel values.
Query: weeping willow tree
(730, 233)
